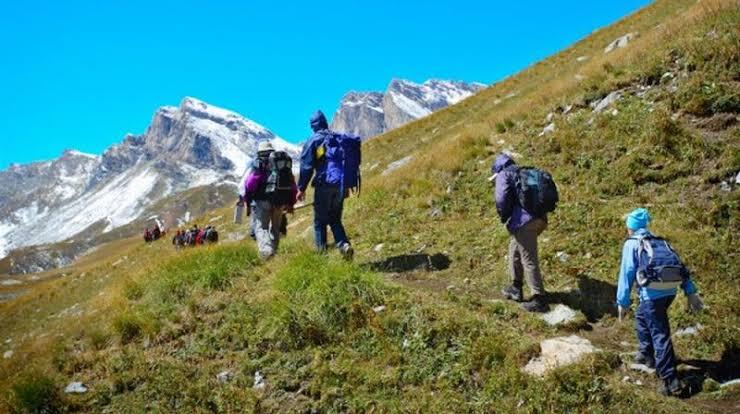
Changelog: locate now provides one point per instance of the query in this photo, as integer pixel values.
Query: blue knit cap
(638, 219)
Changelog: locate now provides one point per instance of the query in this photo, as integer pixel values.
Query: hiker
(652, 263)
(524, 212)
(271, 187)
(335, 159)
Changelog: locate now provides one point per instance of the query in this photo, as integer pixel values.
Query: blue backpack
(659, 266)
(343, 155)
(536, 191)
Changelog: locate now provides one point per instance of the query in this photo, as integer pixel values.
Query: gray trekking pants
(267, 221)
(523, 259)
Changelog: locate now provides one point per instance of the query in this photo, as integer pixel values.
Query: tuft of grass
(36, 393)
(320, 297)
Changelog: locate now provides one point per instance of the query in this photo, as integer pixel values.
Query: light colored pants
(267, 227)
(523, 258)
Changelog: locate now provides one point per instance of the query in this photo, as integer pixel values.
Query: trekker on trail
(524, 211)
(272, 188)
(652, 263)
(335, 160)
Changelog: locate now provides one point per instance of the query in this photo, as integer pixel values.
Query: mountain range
(54, 211)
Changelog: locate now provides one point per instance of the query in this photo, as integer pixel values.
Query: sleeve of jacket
(504, 196)
(307, 163)
(627, 273)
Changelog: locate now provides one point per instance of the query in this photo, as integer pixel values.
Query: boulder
(558, 352)
(75, 388)
(620, 42)
(602, 104)
(561, 314)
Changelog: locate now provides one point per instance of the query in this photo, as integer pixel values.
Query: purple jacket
(507, 201)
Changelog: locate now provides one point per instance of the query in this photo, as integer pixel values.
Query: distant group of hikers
(195, 236)
(523, 197)
(154, 234)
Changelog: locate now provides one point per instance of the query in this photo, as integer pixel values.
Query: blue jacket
(309, 162)
(507, 200)
(628, 273)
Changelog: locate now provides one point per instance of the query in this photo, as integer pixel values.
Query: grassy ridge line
(308, 325)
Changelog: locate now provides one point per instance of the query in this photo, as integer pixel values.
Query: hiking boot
(512, 292)
(671, 388)
(643, 359)
(347, 251)
(536, 304)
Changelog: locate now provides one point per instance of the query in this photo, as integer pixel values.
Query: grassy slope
(157, 330)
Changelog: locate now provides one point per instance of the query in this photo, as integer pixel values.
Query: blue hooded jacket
(506, 198)
(309, 159)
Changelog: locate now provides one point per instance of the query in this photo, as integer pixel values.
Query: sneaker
(513, 293)
(347, 251)
(536, 304)
(671, 388)
(643, 359)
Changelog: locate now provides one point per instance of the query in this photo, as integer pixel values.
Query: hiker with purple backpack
(335, 160)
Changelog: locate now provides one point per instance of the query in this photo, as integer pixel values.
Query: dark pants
(328, 204)
(654, 335)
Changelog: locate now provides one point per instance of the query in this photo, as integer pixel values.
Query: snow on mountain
(371, 113)
(77, 194)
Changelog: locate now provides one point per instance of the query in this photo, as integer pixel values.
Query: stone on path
(561, 314)
(558, 352)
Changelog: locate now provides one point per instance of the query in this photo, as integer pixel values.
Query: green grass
(168, 322)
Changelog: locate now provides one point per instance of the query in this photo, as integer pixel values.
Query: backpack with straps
(279, 184)
(343, 155)
(536, 191)
(659, 266)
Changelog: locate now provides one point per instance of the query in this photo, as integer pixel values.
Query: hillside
(416, 323)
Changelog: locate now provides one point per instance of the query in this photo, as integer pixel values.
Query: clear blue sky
(77, 74)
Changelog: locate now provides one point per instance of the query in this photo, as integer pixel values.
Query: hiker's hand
(300, 196)
(695, 303)
(622, 312)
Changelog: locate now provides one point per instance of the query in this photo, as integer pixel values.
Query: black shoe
(536, 304)
(671, 388)
(347, 252)
(512, 292)
(643, 359)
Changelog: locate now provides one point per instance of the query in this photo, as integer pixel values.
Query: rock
(8, 355)
(561, 314)
(667, 76)
(397, 164)
(731, 383)
(550, 128)
(75, 388)
(549, 118)
(567, 109)
(638, 382)
(626, 379)
(405, 344)
(562, 256)
(259, 381)
(379, 309)
(10, 282)
(625, 344)
(224, 376)
(581, 58)
(378, 247)
(466, 280)
(579, 77)
(450, 288)
(557, 352)
(602, 104)
(642, 368)
(619, 42)
(588, 255)
(614, 112)
(435, 213)
(689, 331)
(737, 178)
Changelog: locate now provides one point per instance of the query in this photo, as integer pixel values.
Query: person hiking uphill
(335, 159)
(652, 263)
(524, 211)
(271, 186)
